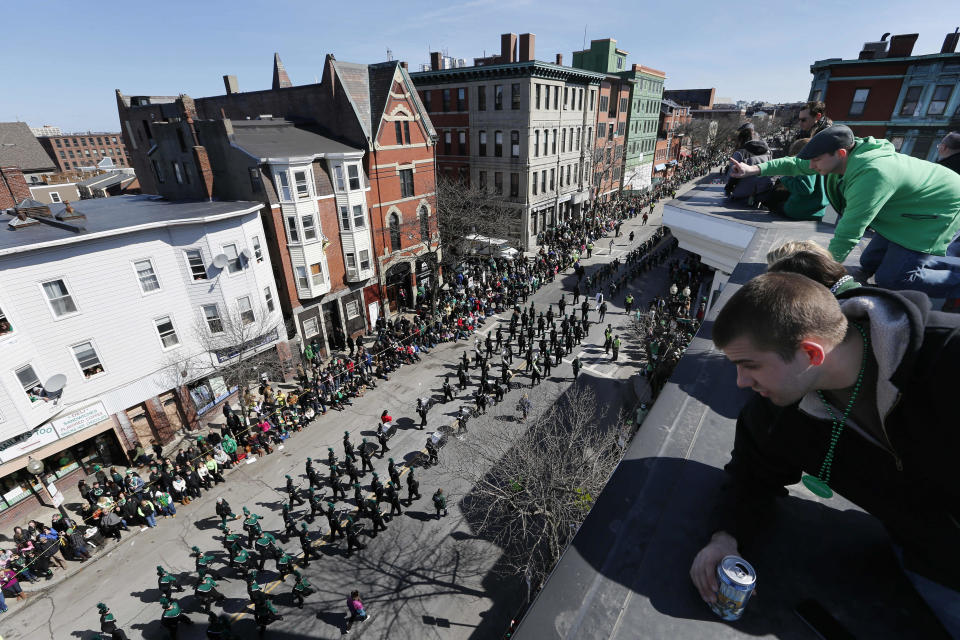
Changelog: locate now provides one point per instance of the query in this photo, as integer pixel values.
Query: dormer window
(353, 173)
(303, 189)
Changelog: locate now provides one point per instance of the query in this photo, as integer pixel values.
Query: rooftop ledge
(625, 575)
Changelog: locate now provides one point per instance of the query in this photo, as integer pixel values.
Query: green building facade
(646, 92)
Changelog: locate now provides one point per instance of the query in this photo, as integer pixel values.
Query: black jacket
(909, 485)
(952, 162)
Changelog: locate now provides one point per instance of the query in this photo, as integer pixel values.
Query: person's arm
(865, 195)
(789, 166)
(798, 186)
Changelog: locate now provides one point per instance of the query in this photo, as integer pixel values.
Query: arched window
(394, 232)
(424, 225)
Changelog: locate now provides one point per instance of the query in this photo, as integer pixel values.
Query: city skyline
(190, 52)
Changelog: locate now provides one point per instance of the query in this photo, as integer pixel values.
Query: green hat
(303, 525)
(96, 467)
(311, 490)
(309, 459)
(389, 484)
(286, 507)
(288, 478)
(363, 440)
(164, 602)
(160, 570)
(296, 573)
(346, 433)
(195, 549)
(375, 475)
(246, 511)
(329, 448)
(356, 485)
(330, 504)
(102, 607)
(390, 459)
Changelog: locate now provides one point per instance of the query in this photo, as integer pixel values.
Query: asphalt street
(422, 578)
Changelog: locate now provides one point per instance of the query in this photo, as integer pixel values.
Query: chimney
(950, 42)
(901, 46)
(436, 60)
(560, 59)
(231, 85)
(403, 63)
(508, 47)
(527, 41)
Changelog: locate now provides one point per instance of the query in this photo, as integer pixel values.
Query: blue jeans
(943, 601)
(151, 520)
(896, 267)
(3, 602)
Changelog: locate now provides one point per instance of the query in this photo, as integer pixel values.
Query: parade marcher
(348, 451)
(382, 438)
(172, 616)
(312, 476)
(393, 498)
(353, 537)
(306, 546)
(108, 624)
(447, 390)
(336, 485)
(202, 564)
(301, 589)
(265, 613)
(365, 457)
(289, 523)
(206, 593)
(432, 453)
(440, 502)
(224, 511)
(376, 517)
(251, 524)
(575, 363)
(218, 627)
(266, 548)
(315, 500)
(413, 488)
(293, 493)
(166, 582)
(284, 563)
(333, 521)
(422, 408)
(393, 473)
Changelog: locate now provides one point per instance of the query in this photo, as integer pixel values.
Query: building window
(426, 100)
(498, 143)
(941, 95)
(910, 101)
(482, 98)
(446, 100)
(316, 274)
(619, 62)
(816, 95)
(338, 175)
(546, 96)
(302, 281)
(345, 218)
(534, 182)
(211, 314)
(309, 229)
(620, 126)
(300, 179)
(168, 335)
(5, 326)
(515, 96)
(536, 143)
(364, 260)
(195, 261)
(498, 97)
(351, 261)
(54, 197)
(394, 232)
(482, 146)
(284, 186)
(352, 309)
(514, 144)
(256, 182)
(897, 142)
(569, 166)
(498, 183)
(566, 97)
(461, 99)
(563, 141)
(406, 183)
(556, 98)
(157, 171)
(399, 129)
(514, 185)
(554, 151)
(482, 175)
(623, 104)
(245, 309)
(578, 138)
(353, 174)
(447, 142)
(462, 143)
(552, 183)
(358, 219)
(233, 258)
(536, 89)
(310, 327)
(424, 225)
(30, 382)
(147, 276)
(859, 101)
(61, 302)
(87, 358)
(268, 297)
(921, 147)
(257, 249)
(292, 229)
(543, 181)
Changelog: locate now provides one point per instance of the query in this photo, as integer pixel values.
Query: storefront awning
(659, 167)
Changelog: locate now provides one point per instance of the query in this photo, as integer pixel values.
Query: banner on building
(80, 420)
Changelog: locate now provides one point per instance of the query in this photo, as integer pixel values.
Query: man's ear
(813, 351)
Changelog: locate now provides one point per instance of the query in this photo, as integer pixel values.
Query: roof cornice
(532, 68)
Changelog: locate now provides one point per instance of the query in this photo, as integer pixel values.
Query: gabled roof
(356, 81)
(20, 148)
(278, 138)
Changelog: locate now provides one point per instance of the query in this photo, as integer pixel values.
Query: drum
(94, 537)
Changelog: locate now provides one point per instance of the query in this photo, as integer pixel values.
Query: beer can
(736, 579)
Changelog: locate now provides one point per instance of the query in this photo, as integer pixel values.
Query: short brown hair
(777, 311)
(814, 265)
(816, 107)
(797, 145)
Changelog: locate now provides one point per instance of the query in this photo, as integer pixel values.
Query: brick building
(345, 168)
(613, 108)
(75, 150)
(518, 127)
(887, 92)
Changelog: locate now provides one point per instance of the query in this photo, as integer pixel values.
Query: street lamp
(36, 468)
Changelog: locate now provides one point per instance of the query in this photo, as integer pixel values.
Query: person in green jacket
(913, 205)
(798, 197)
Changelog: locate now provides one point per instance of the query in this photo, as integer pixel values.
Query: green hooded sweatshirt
(911, 202)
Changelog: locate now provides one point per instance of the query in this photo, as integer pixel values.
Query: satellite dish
(221, 261)
(247, 254)
(55, 383)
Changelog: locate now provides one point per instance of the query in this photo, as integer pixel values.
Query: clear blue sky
(66, 59)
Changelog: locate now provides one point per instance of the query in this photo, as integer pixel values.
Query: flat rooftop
(625, 575)
(109, 216)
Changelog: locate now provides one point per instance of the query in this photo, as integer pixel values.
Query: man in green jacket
(913, 205)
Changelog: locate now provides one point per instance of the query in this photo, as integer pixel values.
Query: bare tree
(466, 209)
(231, 345)
(532, 490)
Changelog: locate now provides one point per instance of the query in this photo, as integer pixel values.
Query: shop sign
(40, 436)
(80, 420)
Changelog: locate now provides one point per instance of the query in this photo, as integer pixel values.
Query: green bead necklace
(820, 484)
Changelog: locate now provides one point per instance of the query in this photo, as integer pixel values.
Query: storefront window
(16, 487)
(60, 464)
